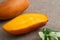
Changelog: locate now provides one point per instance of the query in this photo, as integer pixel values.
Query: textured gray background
(48, 7)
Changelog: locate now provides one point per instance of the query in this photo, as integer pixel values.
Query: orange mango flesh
(25, 23)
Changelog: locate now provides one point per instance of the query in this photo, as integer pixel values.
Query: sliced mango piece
(25, 23)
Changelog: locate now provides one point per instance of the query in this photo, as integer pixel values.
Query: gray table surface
(48, 7)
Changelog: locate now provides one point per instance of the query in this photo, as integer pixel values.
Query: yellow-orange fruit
(25, 23)
(12, 8)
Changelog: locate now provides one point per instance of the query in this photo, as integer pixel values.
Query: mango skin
(12, 8)
(25, 23)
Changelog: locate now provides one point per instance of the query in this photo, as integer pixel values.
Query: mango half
(25, 23)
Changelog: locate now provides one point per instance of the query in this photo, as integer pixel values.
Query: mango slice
(25, 23)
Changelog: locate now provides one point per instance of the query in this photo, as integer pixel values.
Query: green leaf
(58, 38)
(53, 38)
(45, 37)
(49, 34)
(47, 31)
